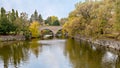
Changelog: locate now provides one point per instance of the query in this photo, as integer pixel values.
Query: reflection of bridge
(54, 29)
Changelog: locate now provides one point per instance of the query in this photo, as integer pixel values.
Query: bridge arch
(44, 33)
(54, 29)
(59, 30)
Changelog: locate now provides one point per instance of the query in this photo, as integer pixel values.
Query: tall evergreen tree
(3, 12)
(13, 15)
(36, 17)
(17, 14)
(40, 18)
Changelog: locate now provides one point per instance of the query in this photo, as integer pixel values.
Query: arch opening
(54, 30)
(47, 34)
(61, 34)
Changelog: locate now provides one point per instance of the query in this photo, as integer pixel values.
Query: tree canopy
(11, 22)
(94, 18)
(52, 21)
(34, 29)
(36, 17)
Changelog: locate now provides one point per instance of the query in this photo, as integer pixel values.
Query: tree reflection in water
(83, 55)
(70, 53)
(17, 53)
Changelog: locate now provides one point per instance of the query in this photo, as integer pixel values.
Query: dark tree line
(51, 20)
(13, 22)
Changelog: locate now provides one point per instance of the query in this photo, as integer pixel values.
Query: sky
(59, 8)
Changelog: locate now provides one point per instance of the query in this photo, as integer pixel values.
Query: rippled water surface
(56, 53)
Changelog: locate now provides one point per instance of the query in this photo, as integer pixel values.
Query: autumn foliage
(34, 29)
(94, 19)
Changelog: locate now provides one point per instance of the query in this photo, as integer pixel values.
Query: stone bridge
(54, 29)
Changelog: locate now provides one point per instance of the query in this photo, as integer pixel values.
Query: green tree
(36, 17)
(13, 15)
(47, 21)
(5, 24)
(56, 23)
(52, 21)
(17, 14)
(40, 18)
(3, 12)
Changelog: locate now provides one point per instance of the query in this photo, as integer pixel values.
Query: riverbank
(12, 38)
(108, 43)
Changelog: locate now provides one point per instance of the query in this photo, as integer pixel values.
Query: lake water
(56, 53)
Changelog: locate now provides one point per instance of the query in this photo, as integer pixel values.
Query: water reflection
(56, 54)
(109, 60)
(83, 55)
(52, 54)
(17, 53)
(35, 47)
(14, 54)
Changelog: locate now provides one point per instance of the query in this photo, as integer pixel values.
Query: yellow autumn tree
(34, 28)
